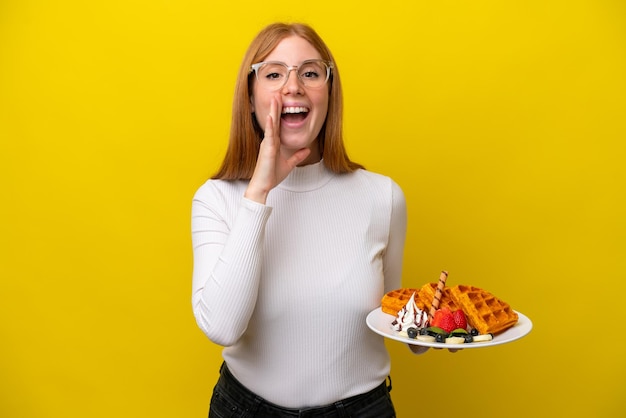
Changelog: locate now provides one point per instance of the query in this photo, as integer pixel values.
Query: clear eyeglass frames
(273, 75)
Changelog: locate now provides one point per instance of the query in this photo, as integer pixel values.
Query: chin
(296, 143)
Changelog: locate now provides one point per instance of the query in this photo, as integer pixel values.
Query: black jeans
(231, 399)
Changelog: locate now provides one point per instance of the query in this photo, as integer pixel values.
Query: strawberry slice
(447, 323)
(444, 319)
(459, 319)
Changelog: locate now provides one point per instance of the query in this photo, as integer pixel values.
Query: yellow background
(503, 121)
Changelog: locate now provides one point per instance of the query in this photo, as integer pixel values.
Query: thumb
(298, 157)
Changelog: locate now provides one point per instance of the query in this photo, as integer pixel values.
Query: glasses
(273, 75)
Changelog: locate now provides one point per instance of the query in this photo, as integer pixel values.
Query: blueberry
(411, 332)
(469, 338)
(474, 331)
(423, 331)
(440, 338)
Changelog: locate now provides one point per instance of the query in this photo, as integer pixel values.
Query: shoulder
(375, 187)
(215, 188)
(220, 195)
(378, 180)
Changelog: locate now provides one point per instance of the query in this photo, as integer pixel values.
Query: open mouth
(294, 113)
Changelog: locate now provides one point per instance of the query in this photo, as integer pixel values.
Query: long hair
(245, 132)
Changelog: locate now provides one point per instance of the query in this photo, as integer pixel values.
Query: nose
(292, 84)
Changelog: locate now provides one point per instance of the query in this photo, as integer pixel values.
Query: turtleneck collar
(307, 178)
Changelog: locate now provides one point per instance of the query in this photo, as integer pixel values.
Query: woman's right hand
(272, 166)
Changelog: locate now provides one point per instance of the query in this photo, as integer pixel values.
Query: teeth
(295, 109)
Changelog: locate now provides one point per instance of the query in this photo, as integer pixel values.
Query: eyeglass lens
(274, 75)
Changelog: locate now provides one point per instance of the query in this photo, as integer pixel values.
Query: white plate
(380, 323)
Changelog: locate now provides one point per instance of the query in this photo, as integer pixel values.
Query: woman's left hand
(418, 349)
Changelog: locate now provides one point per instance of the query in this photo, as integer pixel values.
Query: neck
(314, 156)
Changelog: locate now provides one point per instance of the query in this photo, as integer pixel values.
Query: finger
(275, 111)
(269, 127)
(271, 118)
(416, 349)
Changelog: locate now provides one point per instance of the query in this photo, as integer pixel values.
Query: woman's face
(303, 109)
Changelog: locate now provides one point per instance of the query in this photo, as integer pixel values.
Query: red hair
(245, 132)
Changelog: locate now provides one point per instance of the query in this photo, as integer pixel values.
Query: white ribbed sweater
(286, 286)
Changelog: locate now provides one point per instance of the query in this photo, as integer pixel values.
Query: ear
(252, 103)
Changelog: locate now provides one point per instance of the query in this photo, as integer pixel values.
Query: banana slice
(483, 338)
(455, 340)
(426, 338)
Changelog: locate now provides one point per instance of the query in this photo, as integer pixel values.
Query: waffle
(484, 311)
(427, 294)
(395, 300)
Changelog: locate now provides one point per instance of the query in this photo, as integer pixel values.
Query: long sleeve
(227, 262)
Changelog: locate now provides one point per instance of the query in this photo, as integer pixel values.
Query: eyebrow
(302, 62)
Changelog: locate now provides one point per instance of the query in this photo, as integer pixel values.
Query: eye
(310, 74)
(311, 71)
(273, 76)
(272, 72)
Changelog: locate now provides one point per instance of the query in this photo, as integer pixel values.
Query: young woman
(294, 244)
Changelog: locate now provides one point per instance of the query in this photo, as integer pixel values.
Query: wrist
(256, 195)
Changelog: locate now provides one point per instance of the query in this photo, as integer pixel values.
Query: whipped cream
(410, 316)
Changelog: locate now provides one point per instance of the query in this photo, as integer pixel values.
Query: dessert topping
(410, 316)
